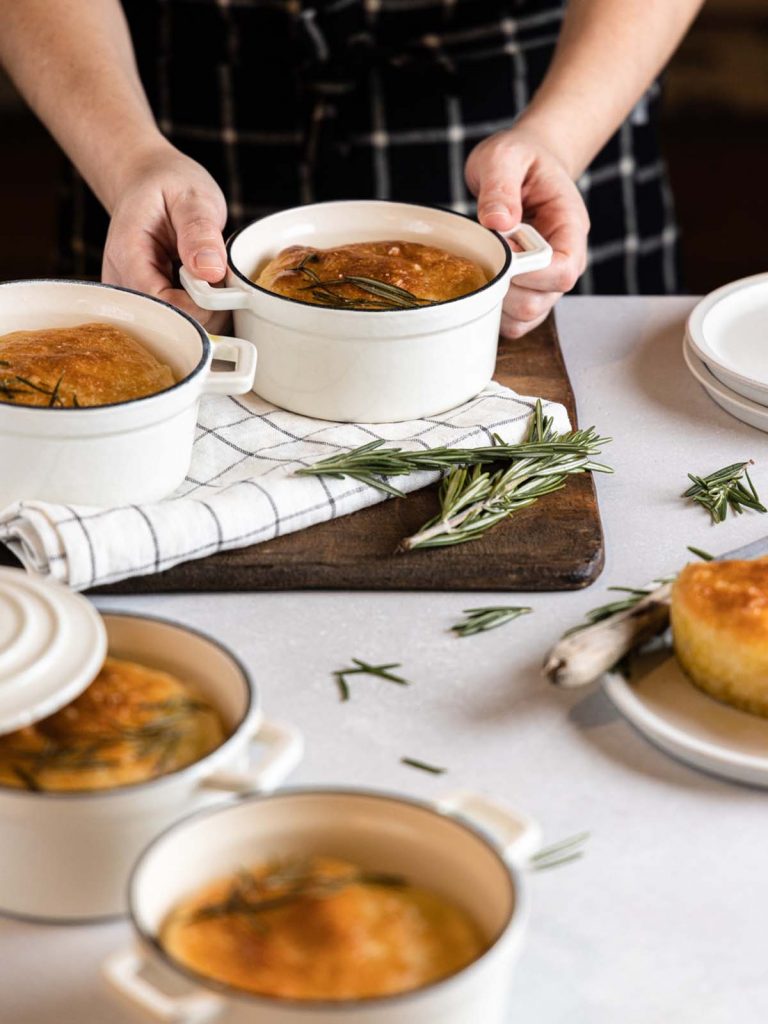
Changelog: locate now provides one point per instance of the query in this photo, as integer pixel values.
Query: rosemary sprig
(479, 620)
(371, 462)
(424, 766)
(251, 896)
(472, 500)
(9, 387)
(363, 668)
(560, 853)
(635, 595)
(158, 738)
(727, 488)
(383, 295)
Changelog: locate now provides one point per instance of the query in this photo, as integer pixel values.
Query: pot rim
(515, 919)
(90, 409)
(382, 202)
(252, 709)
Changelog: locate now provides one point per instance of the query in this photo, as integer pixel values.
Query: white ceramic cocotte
(370, 365)
(466, 848)
(67, 856)
(125, 453)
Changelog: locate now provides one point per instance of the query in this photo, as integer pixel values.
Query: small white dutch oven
(727, 331)
(467, 848)
(67, 856)
(124, 453)
(370, 365)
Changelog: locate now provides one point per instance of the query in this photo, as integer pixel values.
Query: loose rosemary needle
(560, 853)
(479, 620)
(414, 762)
(363, 668)
(727, 488)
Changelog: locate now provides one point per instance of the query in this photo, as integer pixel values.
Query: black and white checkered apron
(296, 101)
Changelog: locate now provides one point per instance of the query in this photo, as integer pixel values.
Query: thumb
(499, 200)
(198, 221)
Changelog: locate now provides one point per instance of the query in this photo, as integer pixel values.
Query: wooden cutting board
(556, 544)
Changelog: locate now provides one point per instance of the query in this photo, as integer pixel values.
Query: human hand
(167, 208)
(517, 177)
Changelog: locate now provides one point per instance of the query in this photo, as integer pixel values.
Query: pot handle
(123, 972)
(231, 382)
(536, 254)
(518, 835)
(207, 297)
(285, 748)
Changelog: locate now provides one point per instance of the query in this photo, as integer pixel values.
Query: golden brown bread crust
(92, 364)
(358, 941)
(133, 723)
(719, 617)
(429, 273)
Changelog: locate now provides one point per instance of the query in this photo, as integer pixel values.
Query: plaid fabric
(242, 489)
(294, 101)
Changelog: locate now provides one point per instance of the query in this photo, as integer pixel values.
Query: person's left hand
(517, 177)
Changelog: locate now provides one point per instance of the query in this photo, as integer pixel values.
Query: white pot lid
(52, 644)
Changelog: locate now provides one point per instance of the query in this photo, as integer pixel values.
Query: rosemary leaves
(727, 488)
(374, 294)
(363, 668)
(474, 498)
(480, 620)
(560, 853)
(13, 384)
(424, 766)
(251, 895)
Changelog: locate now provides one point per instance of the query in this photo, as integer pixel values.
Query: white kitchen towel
(242, 488)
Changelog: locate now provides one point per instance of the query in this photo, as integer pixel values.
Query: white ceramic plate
(728, 330)
(744, 409)
(670, 711)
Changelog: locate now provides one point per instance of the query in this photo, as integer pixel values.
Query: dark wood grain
(556, 544)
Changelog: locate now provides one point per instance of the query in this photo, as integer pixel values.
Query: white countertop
(664, 918)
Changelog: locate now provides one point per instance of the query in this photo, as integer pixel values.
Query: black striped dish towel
(242, 489)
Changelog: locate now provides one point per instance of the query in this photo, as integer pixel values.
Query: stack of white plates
(726, 348)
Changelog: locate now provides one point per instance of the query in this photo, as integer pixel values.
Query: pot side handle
(518, 835)
(284, 749)
(239, 380)
(207, 297)
(123, 972)
(536, 254)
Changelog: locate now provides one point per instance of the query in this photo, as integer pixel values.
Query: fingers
(511, 328)
(135, 259)
(525, 309)
(497, 178)
(198, 220)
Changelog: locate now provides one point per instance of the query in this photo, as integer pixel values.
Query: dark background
(715, 138)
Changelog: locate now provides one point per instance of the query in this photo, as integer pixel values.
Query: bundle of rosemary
(481, 486)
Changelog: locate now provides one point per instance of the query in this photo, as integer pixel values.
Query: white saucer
(681, 719)
(727, 330)
(743, 409)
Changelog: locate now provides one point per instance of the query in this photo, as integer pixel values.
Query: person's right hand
(167, 208)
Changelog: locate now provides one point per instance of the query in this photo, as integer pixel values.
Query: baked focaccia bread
(64, 367)
(371, 275)
(320, 928)
(719, 619)
(132, 724)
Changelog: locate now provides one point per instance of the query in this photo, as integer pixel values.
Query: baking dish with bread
(369, 310)
(99, 392)
(99, 756)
